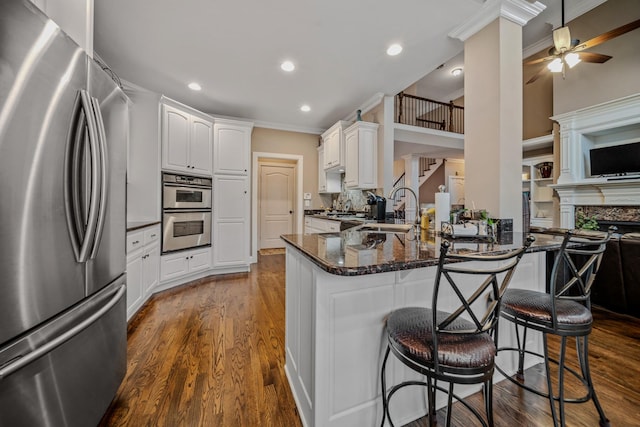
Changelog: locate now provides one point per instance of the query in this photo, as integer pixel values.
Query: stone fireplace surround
(626, 218)
(611, 123)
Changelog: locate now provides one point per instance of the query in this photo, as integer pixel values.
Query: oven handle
(196, 186)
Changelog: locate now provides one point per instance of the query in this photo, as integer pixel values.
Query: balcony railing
(427, 113)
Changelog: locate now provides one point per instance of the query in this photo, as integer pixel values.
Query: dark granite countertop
(136, 225)
(355, 252)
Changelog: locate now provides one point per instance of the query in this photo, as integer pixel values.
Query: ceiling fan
(567, 52)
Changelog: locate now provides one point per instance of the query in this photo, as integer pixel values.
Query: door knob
(290, 212)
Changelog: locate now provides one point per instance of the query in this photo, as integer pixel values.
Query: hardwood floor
(211, 353)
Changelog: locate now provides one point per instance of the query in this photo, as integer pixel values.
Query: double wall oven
(186, 212)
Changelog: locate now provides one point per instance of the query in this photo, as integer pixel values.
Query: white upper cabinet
(333, 140)
(361, 155)
(232, 147)
(201, 145)
(187, 141)
(328, 182)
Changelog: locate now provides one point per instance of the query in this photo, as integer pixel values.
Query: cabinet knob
(136, 242)
(153, 235)
(191, 257)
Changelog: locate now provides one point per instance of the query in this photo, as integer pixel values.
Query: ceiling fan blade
(594, 57)
(539, 60)
(537, 75)
(608, 36)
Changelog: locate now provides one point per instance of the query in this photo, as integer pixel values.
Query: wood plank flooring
(211, 353)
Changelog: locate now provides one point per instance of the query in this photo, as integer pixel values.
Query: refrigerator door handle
(72, 176)
(20, 362)
(83, 227)
(104, 178)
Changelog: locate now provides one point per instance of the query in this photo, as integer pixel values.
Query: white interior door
(276, 205)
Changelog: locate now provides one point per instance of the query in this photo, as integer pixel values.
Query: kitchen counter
(355, 251)
(339, 289)
(136, 225)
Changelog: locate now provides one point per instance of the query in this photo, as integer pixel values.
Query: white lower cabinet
(143, 256)
(180, 264)
(314, 225)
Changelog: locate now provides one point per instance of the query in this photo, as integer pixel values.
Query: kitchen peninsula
(339, 289)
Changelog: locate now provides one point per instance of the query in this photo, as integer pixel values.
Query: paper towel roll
(442, 209)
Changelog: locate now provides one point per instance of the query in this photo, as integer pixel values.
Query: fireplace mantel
(610, 123)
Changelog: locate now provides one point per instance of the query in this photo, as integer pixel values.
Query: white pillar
(493, 107)
(411, 177)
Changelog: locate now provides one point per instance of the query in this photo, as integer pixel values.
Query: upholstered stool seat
(535, 306)
(411, 333)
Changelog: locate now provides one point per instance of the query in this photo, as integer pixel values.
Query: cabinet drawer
(135, 240)
(151, 234)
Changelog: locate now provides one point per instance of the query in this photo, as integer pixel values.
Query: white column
(411, 176)
(493, 107)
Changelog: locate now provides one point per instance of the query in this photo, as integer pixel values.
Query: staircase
(427, 167)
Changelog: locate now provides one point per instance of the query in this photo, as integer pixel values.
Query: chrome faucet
(417, 220)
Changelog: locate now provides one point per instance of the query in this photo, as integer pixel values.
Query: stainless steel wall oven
(186, 212)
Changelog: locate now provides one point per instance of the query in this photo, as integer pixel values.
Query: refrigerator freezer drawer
(73, 384)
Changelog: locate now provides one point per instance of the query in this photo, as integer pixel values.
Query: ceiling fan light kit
(562, 39)
(565, 50)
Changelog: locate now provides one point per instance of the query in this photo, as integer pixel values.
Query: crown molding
(517, 11)
(366, 106)
(536, 47)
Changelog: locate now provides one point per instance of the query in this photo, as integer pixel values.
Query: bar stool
(565, 312)
(453, 346)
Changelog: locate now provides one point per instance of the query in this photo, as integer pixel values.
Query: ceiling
(233, 49)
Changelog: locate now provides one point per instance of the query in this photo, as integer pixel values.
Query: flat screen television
(615, 160)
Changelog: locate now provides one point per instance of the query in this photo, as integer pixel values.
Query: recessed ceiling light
(394, 49)
(456, 71)
(194, 86)
(305, 108)
(288, 66)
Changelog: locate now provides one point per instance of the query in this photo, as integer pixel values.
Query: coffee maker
(377, 207)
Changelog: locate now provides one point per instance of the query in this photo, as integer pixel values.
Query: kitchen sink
(388, 228)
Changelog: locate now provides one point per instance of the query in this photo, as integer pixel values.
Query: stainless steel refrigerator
(63, 133)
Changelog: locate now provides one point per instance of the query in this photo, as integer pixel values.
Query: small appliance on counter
(378, 207)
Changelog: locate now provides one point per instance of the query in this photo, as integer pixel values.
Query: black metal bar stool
(564, 311)
(453, 346)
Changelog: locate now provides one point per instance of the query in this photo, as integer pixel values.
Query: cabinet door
(175, 139)
(199, 260)
(322, 175)
(134, 284)
(351, 163)
(231, 247)
(150, 268)
(200, 148)
(231, 221)
(332, 149)
(174, 266)
(232, 144)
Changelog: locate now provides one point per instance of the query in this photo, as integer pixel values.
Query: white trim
(299, 209)
(368, 105)
(517, 11)
(538, 46)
